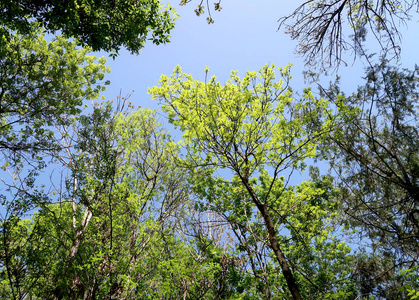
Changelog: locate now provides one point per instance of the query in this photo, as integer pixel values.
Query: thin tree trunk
(79, 234)
(79, 231)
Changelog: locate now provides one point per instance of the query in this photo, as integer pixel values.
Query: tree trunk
(280, 257)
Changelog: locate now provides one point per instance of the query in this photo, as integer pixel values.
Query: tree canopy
(100, 25)
(98, 201)
(376, 161)
(254, 128)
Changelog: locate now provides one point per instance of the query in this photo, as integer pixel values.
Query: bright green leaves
(113, 221)
(43, 83)
(411, 286)
(42, 88)
(253, 121)
(257, 129)
(147, 157)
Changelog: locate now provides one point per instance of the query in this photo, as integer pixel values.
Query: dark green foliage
(101, 25)
(376, 158)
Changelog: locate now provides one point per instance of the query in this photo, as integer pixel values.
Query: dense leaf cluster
(101, 25)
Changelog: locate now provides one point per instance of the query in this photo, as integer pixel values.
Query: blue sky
(243, 37)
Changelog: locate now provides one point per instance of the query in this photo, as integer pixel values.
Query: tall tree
(376, 159)
(254, 128)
